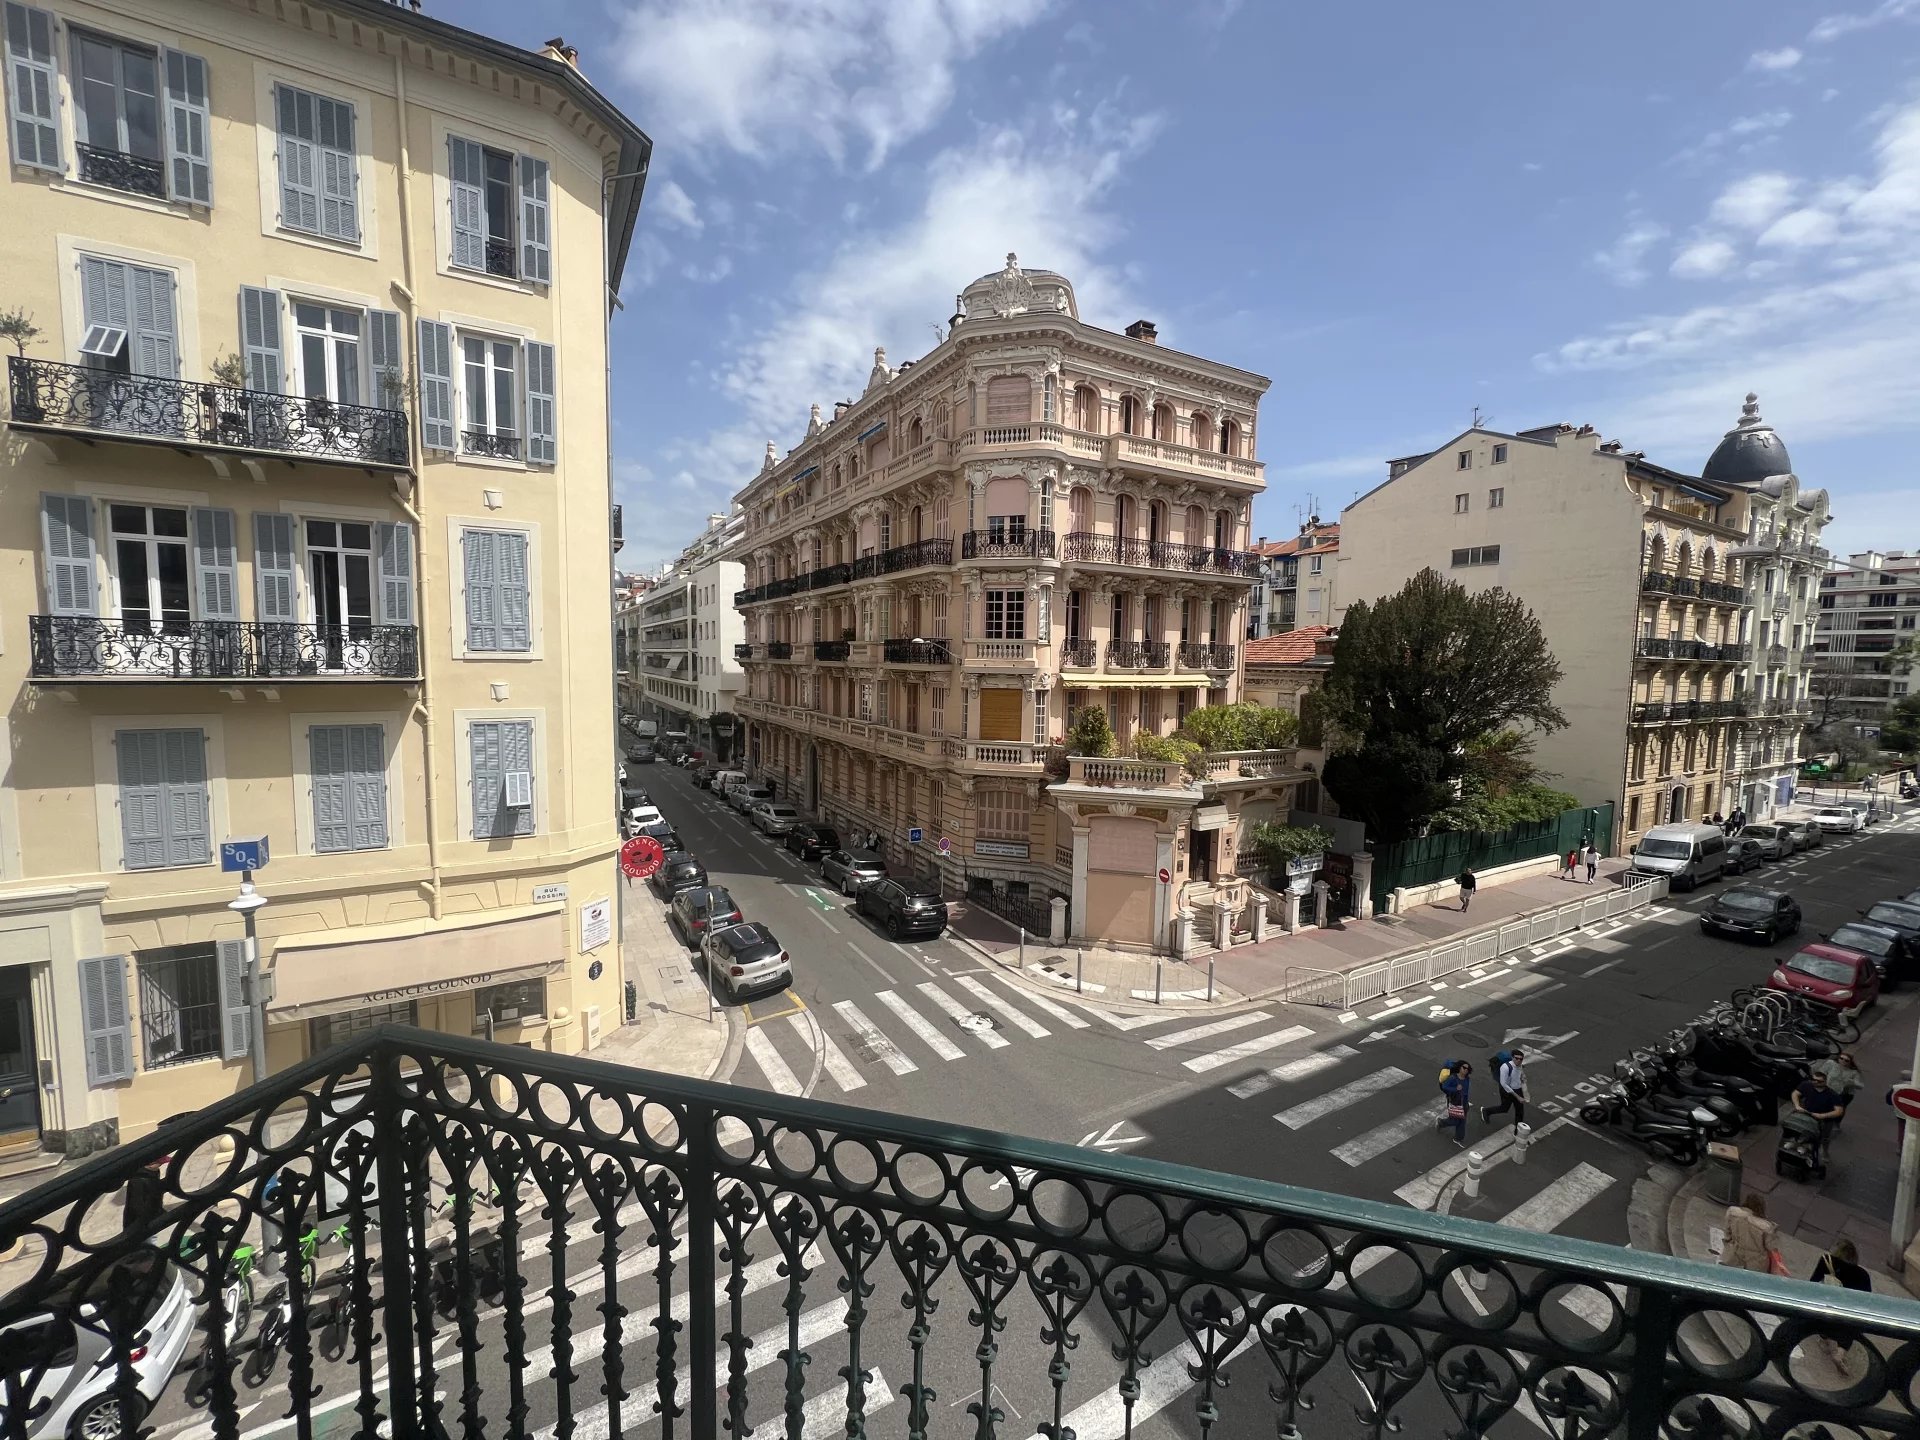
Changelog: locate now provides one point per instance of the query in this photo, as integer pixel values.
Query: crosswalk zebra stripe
(1383, 1138)
(1247, 1049)
(1207, 1032)
(1002, 1007)
(826, 1413)
(779, 1074)
(1293, 1070)
(1129, 1022)
(1045, 1006)
(915, 1022)
(839, 1067)
(1423, 1192)
(957, 1012)
(1308, 1111)
(884, 1050)
(1559, 1202)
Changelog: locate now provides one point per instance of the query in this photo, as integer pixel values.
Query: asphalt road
(1292, 1094)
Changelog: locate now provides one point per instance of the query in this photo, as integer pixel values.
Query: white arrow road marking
(1111, 1138)
(1375, 1035)
(1537, 1040)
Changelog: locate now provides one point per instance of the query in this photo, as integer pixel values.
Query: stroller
(1799, 1150)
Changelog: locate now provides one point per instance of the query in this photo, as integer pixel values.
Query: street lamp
(248, 904)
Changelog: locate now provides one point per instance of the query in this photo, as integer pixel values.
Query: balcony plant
(1169, 748)
(1090, 734)
(1245, 726)
(18, 326)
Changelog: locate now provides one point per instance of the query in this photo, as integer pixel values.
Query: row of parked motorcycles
(1713, 1078)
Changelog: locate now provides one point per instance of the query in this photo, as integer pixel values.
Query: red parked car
(1845, 979)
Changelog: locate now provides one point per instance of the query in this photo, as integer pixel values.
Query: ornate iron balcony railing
(831, 649)
(49, 396)
(1094, 548)
(743, 652)
(916, 652)
(532, 1237)
(493, 445)
(1197, 655)
(501, 259)
(1079, 654)
(85, 647)
(827, 575)
(1138, 654)
(1018, 545)
(779, 649)
(135, 174)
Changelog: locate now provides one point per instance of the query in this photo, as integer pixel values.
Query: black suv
(1750, 911)
(678, 871)
(810, 842)
(903, 909)
(700, 909)
(850, 869)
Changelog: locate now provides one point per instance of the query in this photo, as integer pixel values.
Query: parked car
(1687, 854)
(631, 795)
(1903, 918)
(1751, 912)
(700, 909)
(1777, 842)
(744, 797)
(1895, 953)
(810, 842)
(660, 830)
(77, 1397)
(850, 869)
(679, 871)
(620, 771)
(1839, 819)
(701, 775)
(744, 958)
(642, 814)
(1806, 834)
(1744, 854)
(724, 780)
(1831, 974)
(642, 755)
(772, 818)
(902, 908)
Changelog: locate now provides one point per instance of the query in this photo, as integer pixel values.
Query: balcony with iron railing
(1079, 654)
(1089, 547)
(779, 649)
(575, 1248)
(743, 652)
(70, 648)
(831, 649)
(48, 397)
(1138, 654)
(917, 652)
(1201, 655)
(914, 555)
(1658, 712)
(1008, 545)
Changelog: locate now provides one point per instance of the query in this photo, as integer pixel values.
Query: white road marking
(1559, 1202)
(1383, 1138)
(1308, 1111)
(871, 961)
(832, 1056)
(1127, 1022)
(1002, 1007)
(778, 1073)
(1423, 1193)
(884, 1049)
(1046, 1007)
(1247, 1049)
(917, 1023)
(1293, 1070)
(1207, 1032)
(992, 1039)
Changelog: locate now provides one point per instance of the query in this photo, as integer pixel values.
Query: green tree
(1167, 747)
(1419, 679)
(1275, 844)
(1900, 728)
(1090, 734)
(1245, 726)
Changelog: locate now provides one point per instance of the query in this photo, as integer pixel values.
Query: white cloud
(1744, 135)
(1832, 27)
(676, 207)
(1703, 259)
(1759, 124)
(1754, 202)
(828, 75)
(1774, 61)
(1624, 261)
(1801, 229)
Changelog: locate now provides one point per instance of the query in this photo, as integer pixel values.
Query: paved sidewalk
(674, 1029)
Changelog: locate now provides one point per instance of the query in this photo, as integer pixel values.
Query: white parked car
(1838, 819)
(771, 818)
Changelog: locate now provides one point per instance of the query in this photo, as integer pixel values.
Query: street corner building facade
(307, 489)
(1037, 517)
(1678, 605)
(685, 642)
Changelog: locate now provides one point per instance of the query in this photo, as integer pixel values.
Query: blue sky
(1625, 215)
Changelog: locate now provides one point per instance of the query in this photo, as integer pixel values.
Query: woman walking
(1751, 1237)
(1456, 1087)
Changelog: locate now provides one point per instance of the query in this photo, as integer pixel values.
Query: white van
(1685, 854)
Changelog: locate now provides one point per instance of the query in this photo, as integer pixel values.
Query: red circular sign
(641, 856)
(1906, 1099)
(1166, 876)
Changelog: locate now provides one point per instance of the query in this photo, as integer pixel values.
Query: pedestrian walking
(1751, 1237)
(1573, 861)
(1841, 1266)
(1468, 884)
(1843, 1078)
(1592, 857)
(1511, 1078)
(1813, 1097)
(1457, 1087)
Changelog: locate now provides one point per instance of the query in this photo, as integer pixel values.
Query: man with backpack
(1510, 1075)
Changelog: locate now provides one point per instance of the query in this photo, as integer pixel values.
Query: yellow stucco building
(307, 526)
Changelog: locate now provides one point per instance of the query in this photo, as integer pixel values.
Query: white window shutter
(104, 1022)
(394, 543)
(33, 88)
(216, 570)
(466, 195)
(66, 523)
(536, 245)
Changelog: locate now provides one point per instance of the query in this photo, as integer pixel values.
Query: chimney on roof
(557, 49)
(1263, 540)
(840, 407)
(1145, 331)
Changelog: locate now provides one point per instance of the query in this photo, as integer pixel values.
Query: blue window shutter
(143, 834)
(516, 759)
(339, 200)
(394, 546)
(483, 589)
(189, 121)
(435, 355)
(185, 803)
(536, 245)
(542, 430)
(156, 350)
(516, 603)
(236, 1015)
(104, 1021)
(367, 798)
(33, 88)
(489, 778)
(466, 193)
(103, 297)
(299, 160)
(273, 567)
(66, 523)
(260, 339)
(383, 354)
(216, 579)
(332, 827)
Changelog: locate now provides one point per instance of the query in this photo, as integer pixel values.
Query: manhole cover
(1470, 1037)
(974, 1022)
(866, 1052)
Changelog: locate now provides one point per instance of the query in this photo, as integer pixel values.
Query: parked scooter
(1682, 1076)
(1678, 1140)
(1724, 1120)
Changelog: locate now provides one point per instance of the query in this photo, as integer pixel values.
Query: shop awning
(325, 973)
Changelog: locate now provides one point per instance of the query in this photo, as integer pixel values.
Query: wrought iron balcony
(135, 174)
(779, 649)
(1201, 656)
(1092, 548)
(782, 588)
(1138, 654)
(501, 259)
(916, 652)
(485, 1193)
(831, 649)
(54, 398)
(828, 575)
(743, 652)
(894, 559)
(1079, 654)
(1013, 545)
(752, 595)
(68, 648)
(489, 444)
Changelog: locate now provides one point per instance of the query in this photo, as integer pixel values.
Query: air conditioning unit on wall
(590, 1016)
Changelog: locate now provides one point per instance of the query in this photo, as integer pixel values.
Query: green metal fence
(1428, 858)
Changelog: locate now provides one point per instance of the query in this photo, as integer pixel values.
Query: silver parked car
(770, 817)
(1777, 842)
(1807, 834)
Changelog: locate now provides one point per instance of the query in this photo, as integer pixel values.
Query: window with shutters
(319, 165)
(116, 113)
(1003, 813)
(501, 769)
(148, 554)
(497, 593)
(349, 778)
(1009, 401)
(128, 328)
(164, 819)
(499, 212)
(340, 585)
(489, 397)
(179, 1005)
(328, 352)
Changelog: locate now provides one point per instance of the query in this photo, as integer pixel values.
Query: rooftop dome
(1013, 291)
(1750, 453)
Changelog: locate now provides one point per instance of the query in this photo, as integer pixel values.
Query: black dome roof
(1750, 452)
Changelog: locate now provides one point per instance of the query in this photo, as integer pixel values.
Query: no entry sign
(641, 856)
(1906, 1099)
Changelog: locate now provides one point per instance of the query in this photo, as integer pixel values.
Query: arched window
(1230, 438)
(1129, 415)
(1707, 564)
(886, 529)
(1200, 431)
(1156, 519)
(1683, 561)
(1050, 398)
(1163, 421)
(1086, 409)
(916, 435)
(1123, 516)
(1080, 510)
(941, 420)
(918, 517)
(1222, 529)
(1196, 525)
(1657, 555)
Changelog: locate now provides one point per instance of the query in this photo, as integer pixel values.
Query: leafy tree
(1419, 679)
(1167, 747)
(1275, 844)
(1090, 733)
(1900, 728)
(1245, 726)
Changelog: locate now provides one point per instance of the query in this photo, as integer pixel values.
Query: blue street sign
(915, 835)
(249, 853)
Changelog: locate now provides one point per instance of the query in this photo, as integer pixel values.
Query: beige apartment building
(308, 490)
(1036, 517)
(1636, 574)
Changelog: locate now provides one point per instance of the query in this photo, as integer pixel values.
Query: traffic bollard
(1209, 980)
(1023, 945)
(1079, 971)
(1476, 1167)
(1522, 1136)
(1156, 982)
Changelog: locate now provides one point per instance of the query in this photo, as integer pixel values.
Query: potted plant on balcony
(1090, 734)
(232, 424)
(18, 326)
(1165, 748)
